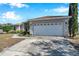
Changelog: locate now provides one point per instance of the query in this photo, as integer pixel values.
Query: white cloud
(61, 9)
(10, 15)
(58, 10)
(19, 5)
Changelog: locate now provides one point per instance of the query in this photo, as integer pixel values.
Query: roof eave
(67, 17)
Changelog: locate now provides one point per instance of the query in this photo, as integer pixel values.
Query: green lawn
(7, 41)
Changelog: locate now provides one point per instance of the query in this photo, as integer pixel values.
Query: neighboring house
(19, 27)
(1, 31)
(49, 26)
(78, 27)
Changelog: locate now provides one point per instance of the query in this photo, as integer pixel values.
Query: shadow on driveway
(53, 48)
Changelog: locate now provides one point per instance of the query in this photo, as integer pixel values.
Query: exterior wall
(64, 23)
(1, 31)
(19, 27)
(31, 29)
(78, 27)
(66, 32)
(22, 27)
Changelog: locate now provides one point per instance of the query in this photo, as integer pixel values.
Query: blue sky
(20, 12)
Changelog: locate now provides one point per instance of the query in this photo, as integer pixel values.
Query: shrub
(12, 31)
(18, 31)
(22, 33)
(78, 33)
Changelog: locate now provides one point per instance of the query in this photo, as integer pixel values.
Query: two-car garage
(49, 26)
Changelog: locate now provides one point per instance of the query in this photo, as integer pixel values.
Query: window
(48, 24)
(65, 22)
(41, 24)
(38, 24)
(44, 24)
(51, 23)
(34, 24)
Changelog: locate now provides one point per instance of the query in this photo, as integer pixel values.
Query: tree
(26, 26)
(7, 27)
(73, 22)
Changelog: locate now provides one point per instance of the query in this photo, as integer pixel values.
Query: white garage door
(48, 29)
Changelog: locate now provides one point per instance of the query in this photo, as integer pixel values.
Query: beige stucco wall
(66, 32)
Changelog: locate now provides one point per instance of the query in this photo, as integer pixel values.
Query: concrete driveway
(41, 46)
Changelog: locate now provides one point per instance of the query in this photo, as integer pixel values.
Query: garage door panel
(48, 30)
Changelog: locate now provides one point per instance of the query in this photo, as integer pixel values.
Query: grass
(7, 41)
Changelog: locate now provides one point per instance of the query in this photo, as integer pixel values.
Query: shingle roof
(49, 17)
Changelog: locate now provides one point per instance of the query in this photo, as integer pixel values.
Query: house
(49, 26)
(19, 27)
(78, 27)
(1, 31)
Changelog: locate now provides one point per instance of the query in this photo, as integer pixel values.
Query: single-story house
(49, 26)
(78, 27)
(1, 31)
(19, 27)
